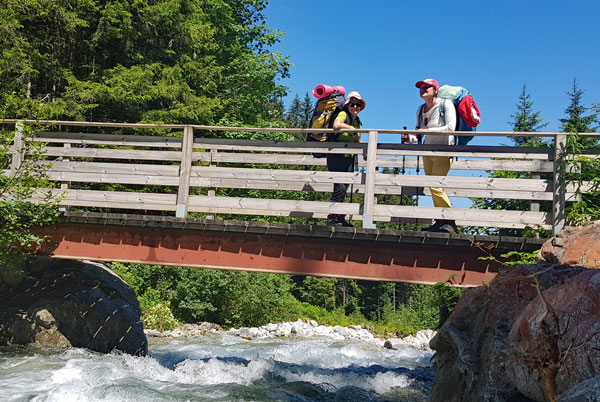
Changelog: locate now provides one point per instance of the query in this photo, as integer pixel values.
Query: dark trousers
(339, 163)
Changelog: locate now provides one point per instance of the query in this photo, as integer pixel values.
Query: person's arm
(339, 124)
(411, 138)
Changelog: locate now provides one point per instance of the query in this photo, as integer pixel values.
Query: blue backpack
(467, 112)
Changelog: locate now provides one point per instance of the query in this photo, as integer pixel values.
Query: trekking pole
(402, 188)
(419, 138)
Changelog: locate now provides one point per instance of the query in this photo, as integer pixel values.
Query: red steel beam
(297, 255)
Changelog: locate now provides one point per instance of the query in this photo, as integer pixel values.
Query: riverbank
(300, 329)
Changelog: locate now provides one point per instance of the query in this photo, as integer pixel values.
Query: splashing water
(219, 368)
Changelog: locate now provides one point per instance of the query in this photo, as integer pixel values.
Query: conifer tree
(577, 121)
(293, 115)
(307, 109)
(526, 120)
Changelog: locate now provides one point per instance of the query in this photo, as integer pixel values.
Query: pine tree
(293, 115)
(576, 121)
(306, 111)
(526, 120)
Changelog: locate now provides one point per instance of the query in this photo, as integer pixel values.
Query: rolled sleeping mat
(322, 91)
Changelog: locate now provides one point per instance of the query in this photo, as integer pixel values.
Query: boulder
(471, 353)
(578, 245)
(73, 303)
(587, 391)
(557, 338)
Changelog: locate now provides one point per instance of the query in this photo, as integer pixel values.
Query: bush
(422, 311)
(159, 317)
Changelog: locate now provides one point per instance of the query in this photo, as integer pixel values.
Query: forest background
(208, 62)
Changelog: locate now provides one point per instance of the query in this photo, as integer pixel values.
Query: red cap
(428, 81)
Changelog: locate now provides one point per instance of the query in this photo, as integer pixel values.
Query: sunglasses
(355, 104)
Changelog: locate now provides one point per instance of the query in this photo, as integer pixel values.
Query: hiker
(436, 115)
(346, 119)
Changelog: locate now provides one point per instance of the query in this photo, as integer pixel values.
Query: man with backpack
(347, 119)
(436, 114)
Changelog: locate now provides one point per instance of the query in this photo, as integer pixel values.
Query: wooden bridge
(201, 174)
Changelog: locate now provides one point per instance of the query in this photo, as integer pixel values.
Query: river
(219, 367)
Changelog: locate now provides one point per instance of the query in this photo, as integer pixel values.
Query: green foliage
(161, 60)
(577, 121)
(422, 311)
(337, 316)
(12, 269)
(300, 112)
(19, 217)
(319, 292)
(520, 257)
(159, 317)
(232, 298)
(526, 120)
(587, 208)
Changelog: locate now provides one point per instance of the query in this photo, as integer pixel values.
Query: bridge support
(351, 253)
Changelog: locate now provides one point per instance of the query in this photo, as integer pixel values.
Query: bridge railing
(191, 168)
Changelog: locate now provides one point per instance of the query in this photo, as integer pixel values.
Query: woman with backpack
(436, 115)
(346, 119)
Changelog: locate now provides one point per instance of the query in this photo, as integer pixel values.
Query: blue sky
(381, 48)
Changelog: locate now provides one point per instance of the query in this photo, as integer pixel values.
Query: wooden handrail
(189, 171)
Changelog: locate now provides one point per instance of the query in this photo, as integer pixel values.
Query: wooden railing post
(187, 147)
(369, 203)
(559, 184)
(17, 153)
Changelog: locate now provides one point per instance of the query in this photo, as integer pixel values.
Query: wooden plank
(106, 153)
(17, 149)
(371, 173)
(464, 154)
(306, 176)
(109, 199)
(109, 139)
(559, 189)
(112, 168)
(270, 205)
(258, 158)
(516, 152)
(471, 217)
(470, 164)
(499, 217)
(278, 146)
(185, 172)
(464, 182)
(119, 178)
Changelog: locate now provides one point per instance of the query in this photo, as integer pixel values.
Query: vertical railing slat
(187, 147)
(559, 184)
(369, 203)
(17, 152)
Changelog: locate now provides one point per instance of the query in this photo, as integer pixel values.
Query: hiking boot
(448, 226)
(339, 223)
(442, 226)
(433, 228)
(336, 220)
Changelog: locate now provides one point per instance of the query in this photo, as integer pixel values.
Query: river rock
(471, 353)
(578, 245)
(557, 336)
(73, 303)
(587, 391)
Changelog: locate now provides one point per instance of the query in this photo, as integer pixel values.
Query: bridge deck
(341, 252)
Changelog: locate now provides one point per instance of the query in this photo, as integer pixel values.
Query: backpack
(467, 112)
(324, 113)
